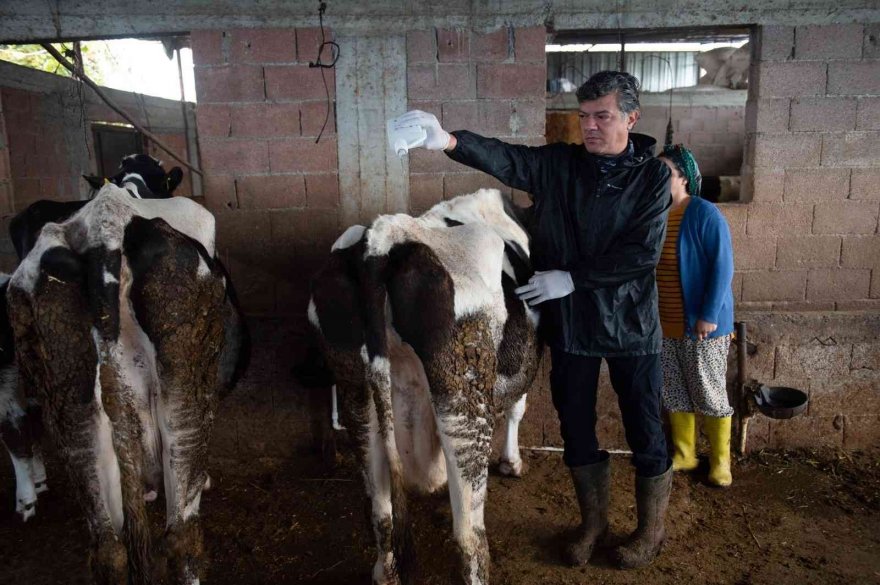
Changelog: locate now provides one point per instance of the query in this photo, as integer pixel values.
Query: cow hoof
(41, 487)
(150, 496)
(27, 511)
(511, 468)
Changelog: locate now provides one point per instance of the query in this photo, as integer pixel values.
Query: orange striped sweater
(669, 279)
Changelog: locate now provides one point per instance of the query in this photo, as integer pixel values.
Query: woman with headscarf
(696, 313)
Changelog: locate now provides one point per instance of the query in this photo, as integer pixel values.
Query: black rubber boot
(652, 499)
(591, 486)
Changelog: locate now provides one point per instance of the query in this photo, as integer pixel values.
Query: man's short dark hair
(607, 82)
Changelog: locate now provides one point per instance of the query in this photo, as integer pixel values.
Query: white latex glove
(438, 138)
(546, 285)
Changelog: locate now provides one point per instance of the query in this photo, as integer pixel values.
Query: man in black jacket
(599, 222)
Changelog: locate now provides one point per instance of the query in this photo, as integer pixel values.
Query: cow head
(144, 174)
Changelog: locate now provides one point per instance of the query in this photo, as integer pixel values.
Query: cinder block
(868, 116)
(302, 155)
(453, 45)
(529, 44)
(871, 46)
(219, 192)
(425, 190)
(854, 78)
(767, 185)
(511, 81)
(460, 115)
(208, 47)
(774, 286)
(865, 184)
(814, 361)
(271, 191)
(493, 46)
(791, 79)
(862, 305)
(234, 156)
(427, 161)
(781, 151)
(265, 120)
(866, 363)
(861, 431)
(835, 284)
(528, 117)
(823, 114)
(305, 229)
(846, 217)
(775, 43)
(816, 184)
(263, 45)
(421, 46)
(736, 215)
(464, 183)
(298, 82)
(802, 306)
(244, 235)
(308, 43)
(779, 219)
(831, 41)
(312, 116)
(797, 252)
(804, 431)
(860, 252)
(229, 83)
(322, 190)
(441, 82)
(754, 253)
(875, 285)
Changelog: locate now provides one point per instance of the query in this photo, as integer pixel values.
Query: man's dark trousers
(637, 380)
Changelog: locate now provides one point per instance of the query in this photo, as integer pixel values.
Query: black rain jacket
(606, 230)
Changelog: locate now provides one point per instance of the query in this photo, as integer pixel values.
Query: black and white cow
(141, 174)
(428, 345)
(20, 423)
(126, 334)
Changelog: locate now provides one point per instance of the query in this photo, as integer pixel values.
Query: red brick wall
(38, 159)
(275, 191)
(492, 83)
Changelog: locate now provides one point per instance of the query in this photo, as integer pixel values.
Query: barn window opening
(148, 105)
(695, 77)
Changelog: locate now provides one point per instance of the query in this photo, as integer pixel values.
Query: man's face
(604, 128)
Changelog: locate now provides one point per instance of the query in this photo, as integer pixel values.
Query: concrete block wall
(272, 187)
(490, 82)
(809, 237)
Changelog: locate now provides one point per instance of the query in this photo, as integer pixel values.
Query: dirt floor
(806, 517)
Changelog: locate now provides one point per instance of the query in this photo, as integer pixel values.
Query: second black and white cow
(140, 174)
(428, 345)
(20, 422)
(126, 335)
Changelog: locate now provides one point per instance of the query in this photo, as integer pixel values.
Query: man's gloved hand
(546, 285)
(438, 138)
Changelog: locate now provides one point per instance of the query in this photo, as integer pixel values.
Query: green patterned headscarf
(684, 161)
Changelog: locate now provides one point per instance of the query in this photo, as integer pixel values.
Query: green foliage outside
(96, 57)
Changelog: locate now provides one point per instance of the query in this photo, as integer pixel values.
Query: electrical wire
(334, 56)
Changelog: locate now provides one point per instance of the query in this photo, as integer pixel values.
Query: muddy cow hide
(126, 334)
(20, 424)
(428, 345)
(141, 174)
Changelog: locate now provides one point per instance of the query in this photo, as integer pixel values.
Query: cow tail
(106, 282)
(378, 384)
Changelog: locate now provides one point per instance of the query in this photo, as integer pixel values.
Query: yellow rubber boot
(718, 431)
(684, 440)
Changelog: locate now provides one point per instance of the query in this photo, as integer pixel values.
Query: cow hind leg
(511, 462)
(462, 377)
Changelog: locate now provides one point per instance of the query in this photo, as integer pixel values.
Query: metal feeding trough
(776, 402)
(780, 402)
